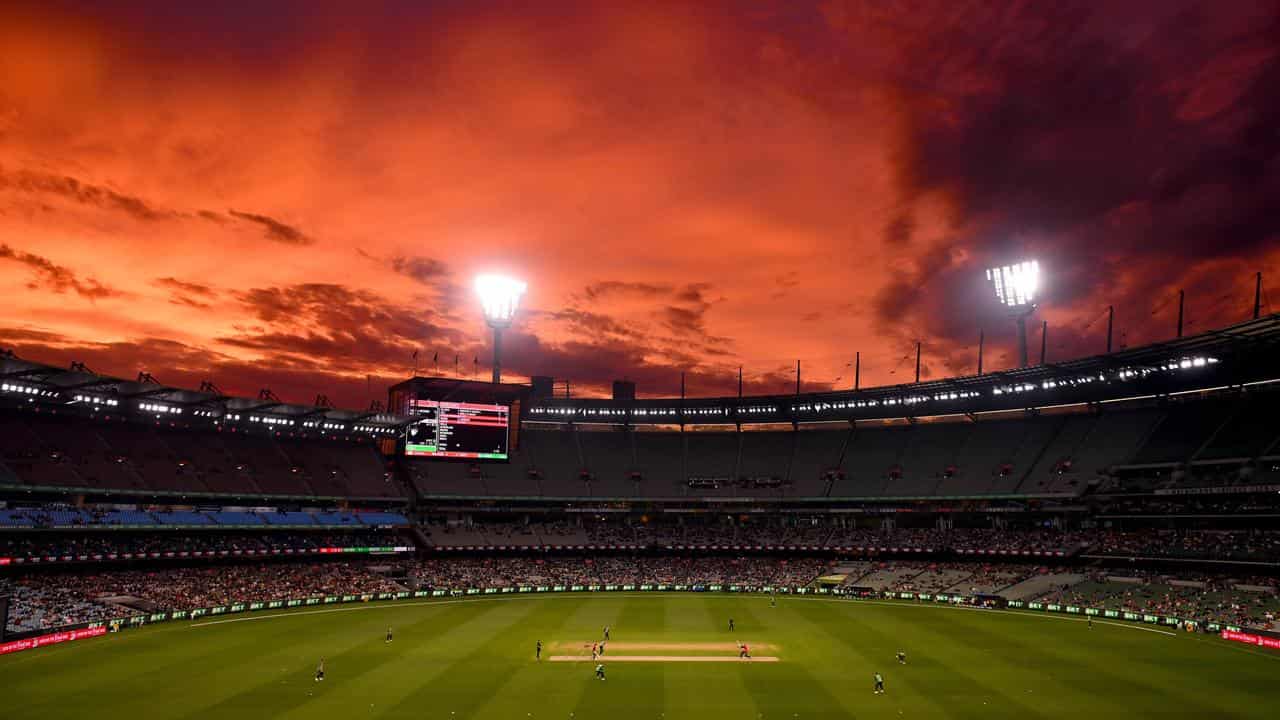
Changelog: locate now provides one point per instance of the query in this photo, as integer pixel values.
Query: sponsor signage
(1251, 639)
(1227, 490)
(51, 639)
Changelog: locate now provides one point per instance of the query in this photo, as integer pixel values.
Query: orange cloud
(687, 187)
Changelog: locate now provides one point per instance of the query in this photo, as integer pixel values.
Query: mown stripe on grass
(643, 686)
(457, 670)
(146, 677)
(557, 689)
(792, 688)
(687, 692)
(850, 651)
(980, 686)
(1035, 666)
(283, 680)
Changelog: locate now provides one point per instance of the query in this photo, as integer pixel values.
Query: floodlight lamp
(1016, 285)
(499, 296)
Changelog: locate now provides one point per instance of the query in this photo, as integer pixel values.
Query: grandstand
(1042, 485)
(1185, 413)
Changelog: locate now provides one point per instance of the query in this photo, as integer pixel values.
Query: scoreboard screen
(457, 430)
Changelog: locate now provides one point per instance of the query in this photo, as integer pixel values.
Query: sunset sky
(297, 195)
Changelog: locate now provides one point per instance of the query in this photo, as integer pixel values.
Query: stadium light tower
(499, 296)
(1017, 286)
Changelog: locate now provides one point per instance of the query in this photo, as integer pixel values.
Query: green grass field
(473, 658)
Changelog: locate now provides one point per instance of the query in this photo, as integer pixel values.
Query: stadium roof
(1240, 355)
(79, 388)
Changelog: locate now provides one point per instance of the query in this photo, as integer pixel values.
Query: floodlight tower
(499, 296)
(1016, 287)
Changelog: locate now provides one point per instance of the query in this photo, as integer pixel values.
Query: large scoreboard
(443, 429)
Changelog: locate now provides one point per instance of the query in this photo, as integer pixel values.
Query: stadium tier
(54, 599)
(1143, 484)
(72, 453)
(1193, 412)
(1066, 454)
(89, 518)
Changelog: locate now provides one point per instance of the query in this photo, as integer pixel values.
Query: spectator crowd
(50, 599)
(99, 546)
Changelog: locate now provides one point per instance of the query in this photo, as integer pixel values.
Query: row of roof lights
(27, 390)
(163, 409)
(818, 407)
(1185, 363)
(96, 400)
(160, 409)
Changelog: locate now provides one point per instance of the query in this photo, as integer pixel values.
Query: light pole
(499, 297)
(1016, 286)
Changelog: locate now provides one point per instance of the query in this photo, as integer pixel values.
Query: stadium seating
(609, 456)
(1182, 430)
(1185, 443)
(235, 518)
(74, 453)
(816, 455)
(1249, 432)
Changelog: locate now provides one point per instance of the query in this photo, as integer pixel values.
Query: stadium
(639, 360)
(1096, 532)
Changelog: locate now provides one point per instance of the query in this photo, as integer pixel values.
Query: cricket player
(320, 671)
(388, 634)
(606, 632)
(537, 651)
(879, 684)
(902, 658)
(600, 670)
(730, 624)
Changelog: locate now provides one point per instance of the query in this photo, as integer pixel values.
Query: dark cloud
(339, 327)
(435, 275)
(274, 229)
(684, 320)
(678, 308)
(57, 278)
(104, 198)
(615, 288)
(82, 193)
(425, 270)
(1096, 152)
(593, 365)
(189, 302)
(898, 232)
(182, 365)
(184, 286)
(694, 293)
(593, 324)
